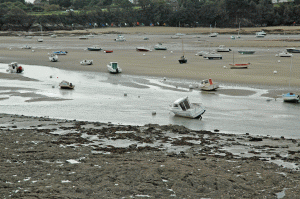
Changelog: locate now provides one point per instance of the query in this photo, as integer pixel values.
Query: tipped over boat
(66, 85)
(182, 107)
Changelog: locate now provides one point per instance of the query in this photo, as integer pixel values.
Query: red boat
(108, 51)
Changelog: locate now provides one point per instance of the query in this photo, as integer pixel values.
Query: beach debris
(153, 113)
(165, 78)
(50, 76)
(144, 54)
(53, 86)
(268, 100)
(191, 86)
(276, 55)
(224, 66)
(278, 61)
(32, 51)
(171, 51)
(216, 130)
(125, 94)
(275, 71)
(164, 57)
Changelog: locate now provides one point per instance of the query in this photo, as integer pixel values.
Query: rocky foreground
(51, 158)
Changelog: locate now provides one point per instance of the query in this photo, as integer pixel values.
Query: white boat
(40, 40)
(26, 47)
(285, 54)
(201, 53)
(113, 67)
(175, 37)
(94, 48)
(14, 68)
(222, 48)
(53, 36)
(261, 33)
(214, 34)
(290, 97)
(83, 37)
(53, 57)
(258, 35)
(86, 62)
(179, 34)
(159, 46)
(212, 56)
(66, 85)
(182, 107)
(120, 38)
(208, 85)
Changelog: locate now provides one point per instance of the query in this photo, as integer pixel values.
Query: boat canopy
(183, 103)
(114, 65)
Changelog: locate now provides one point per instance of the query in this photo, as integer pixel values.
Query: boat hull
(189, 114)
(248, 52)
(291, 98)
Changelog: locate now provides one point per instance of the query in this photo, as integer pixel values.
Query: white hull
(86, 62)
(195, 112)
(210, 87)
(212, 56)
(292, 98)
(113, 67)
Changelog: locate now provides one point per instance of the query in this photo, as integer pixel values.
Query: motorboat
(290, 97)
(142, 49)
(26, 47)
(159, 46)
(175, 37)
(113, 67)
(212, 56)
(214, 34)
(120, 38)
(182, 107)
(94, 48)
(108, 51)
(83, 37)
(182, 60)
(284, 54)
(66, 85)
(261, 33)
(146, 38)
(293, 50)
(246, 52)
(53, 57)
(222, 48)
(14, 68)
(60, 52)
(258, 35)
(86, 62)
(40, 40)
(239, 66)
(208, 85)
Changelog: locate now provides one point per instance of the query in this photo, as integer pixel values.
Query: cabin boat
(53, 57)
(201, 53)
(14, 68)
(223, 49)
(182, 107)
(159, 46)
(120, 38)
(142, 49)
(261, 33)
(182, 60)
(86, 62)
(113, 67)
(291, 97)
(66, 85)
(212, 56)
(285, 54)
(208, 85)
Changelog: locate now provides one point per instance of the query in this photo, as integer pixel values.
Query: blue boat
(60, 52)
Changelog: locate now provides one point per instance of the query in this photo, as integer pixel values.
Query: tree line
(18, 14)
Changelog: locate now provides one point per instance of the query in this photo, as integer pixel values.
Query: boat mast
(182, 47)
(290, 72)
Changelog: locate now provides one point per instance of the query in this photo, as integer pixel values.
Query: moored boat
(291, 97)
(113, 67)
(120, 38)
(182, 107)
(222, 48)
(94, 48)
(212, 56)
(182, 60)
(26, 47)
(214, 34)
(66, 85)
(108, 51)
(246, 52)
(159, 46)
(142, 49)
(293, 50)
(284, 54)
(60, 52)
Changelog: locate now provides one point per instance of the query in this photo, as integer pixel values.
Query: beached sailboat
(182, 59)
(208, 85)
(290, 97)
(182, 107)
(238, 66)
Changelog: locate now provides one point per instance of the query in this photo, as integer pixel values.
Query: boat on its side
(143, 49)
(86, 62)
(53, 57)
(14, 67)
(208, 85)
(66, 85)
(246, 52)
(291, 97)
(113, 67)
(182, 107)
